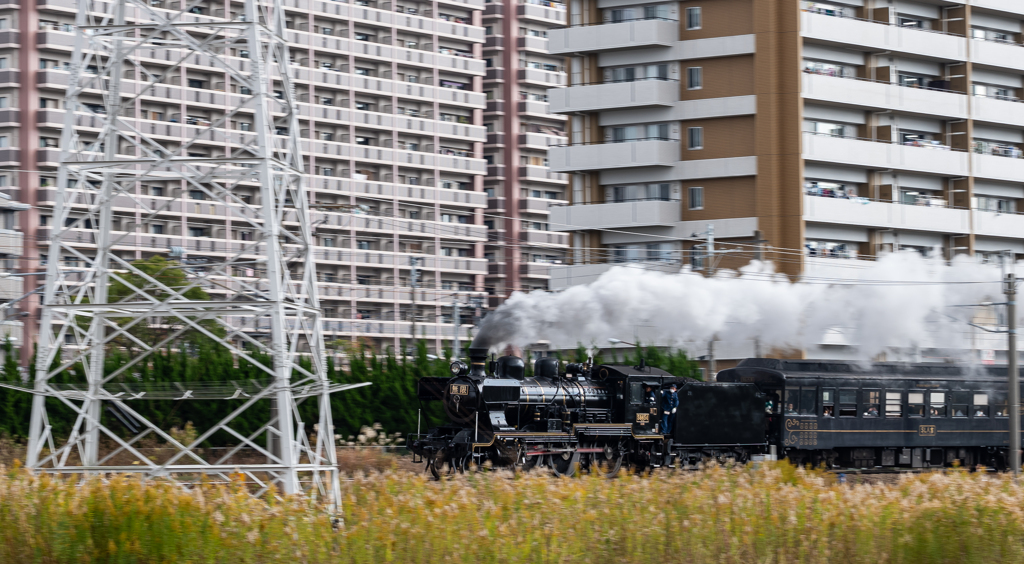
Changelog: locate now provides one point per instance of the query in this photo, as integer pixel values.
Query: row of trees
(390, 400)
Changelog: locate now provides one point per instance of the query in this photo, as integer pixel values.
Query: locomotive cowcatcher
(585, 418)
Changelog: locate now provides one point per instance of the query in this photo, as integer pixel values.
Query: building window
(695, 138)
(156, 229)
(696, 197)
(694, 78)
(693, 18)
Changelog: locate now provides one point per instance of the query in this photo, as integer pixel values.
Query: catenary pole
(1014, 376)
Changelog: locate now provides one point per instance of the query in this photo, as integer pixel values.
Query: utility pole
(711, 360)
(711, 272)
(1014, 377)
(758, 245)
(414, 280)
(457, 314)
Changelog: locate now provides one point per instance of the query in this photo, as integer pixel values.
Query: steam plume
(900, 300)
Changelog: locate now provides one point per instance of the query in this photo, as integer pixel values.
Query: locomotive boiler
(583, 417)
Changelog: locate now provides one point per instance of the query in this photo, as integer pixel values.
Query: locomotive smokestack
(478, 362)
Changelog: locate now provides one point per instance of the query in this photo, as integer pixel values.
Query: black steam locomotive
(598, 418)
(594, 418)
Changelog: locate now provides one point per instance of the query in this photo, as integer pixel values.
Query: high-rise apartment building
(520, 129)
(392, 133)
(818, 131)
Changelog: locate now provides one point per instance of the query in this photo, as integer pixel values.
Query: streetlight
(615, 341)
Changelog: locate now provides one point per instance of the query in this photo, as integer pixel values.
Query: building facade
(392, 132)
(806, 133)
(522, 244)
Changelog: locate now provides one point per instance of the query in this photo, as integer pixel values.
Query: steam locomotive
(600, 418)
(587, 417)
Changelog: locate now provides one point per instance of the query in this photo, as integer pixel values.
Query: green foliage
(159, 273)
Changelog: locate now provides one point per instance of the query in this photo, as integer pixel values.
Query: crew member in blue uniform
(669, 403)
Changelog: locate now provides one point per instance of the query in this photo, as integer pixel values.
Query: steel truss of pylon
(262, 295)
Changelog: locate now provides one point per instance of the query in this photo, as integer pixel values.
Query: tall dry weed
(773, 513)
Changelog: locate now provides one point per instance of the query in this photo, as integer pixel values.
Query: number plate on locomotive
(643, 417)
(460, 389)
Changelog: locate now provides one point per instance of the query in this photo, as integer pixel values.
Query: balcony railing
(610, 22)
(934, 145)
(848, 77)
(840, 14)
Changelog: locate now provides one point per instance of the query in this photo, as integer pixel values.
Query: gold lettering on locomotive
(643, 417)
(460, 389)
(654, 411)
(926, 430)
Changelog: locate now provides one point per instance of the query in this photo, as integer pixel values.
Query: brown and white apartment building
(520, 127)
(831, 131)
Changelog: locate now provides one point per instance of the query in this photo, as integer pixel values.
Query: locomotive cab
(642, 408)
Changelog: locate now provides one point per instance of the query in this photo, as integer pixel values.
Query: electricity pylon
(124, 171)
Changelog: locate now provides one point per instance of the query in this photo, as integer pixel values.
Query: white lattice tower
(262, 291)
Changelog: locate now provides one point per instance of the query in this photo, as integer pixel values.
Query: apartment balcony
(10, 38)
(10, 117)
(603, 156)
(884, 95)
(540, 140)
(614, 95)
(11, 243)
(568, 275)
(548, 13)
(496, 205)
(998, 168)
(535, 270)
(61, 40)
(1008, 6)
(12, 287)
(615, 215)
(534, 44)
(878, 36)
(10, 157)
(994, 224)
(614, 36)
(998, 110)
(534, 108)
(877, 155)
(496, 269)
(996, 54)
(886, 215)
(496, 171)
(541, 77)
(538, 205)
(10, 77)
(544, 238)
(541, 174)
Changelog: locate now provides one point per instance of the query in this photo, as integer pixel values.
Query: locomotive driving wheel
(564, 463)
(608, 462)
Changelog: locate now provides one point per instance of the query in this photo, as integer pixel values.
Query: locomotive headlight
(459, 368)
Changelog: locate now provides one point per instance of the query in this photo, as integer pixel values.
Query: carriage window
(792, 400)
(894, 404)
(808, 401)
(872, 403)
(828, 399)
(915, 404)
(847, 403)
(636, 392)
(938, 401)
(1001, 407)
(980, 406)
(961, 403)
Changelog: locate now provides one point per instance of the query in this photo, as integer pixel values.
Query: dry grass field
(773, 513)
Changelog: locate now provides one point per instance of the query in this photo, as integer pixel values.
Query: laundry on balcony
(927, 144)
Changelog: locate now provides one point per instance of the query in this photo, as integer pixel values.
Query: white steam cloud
(900, 300)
